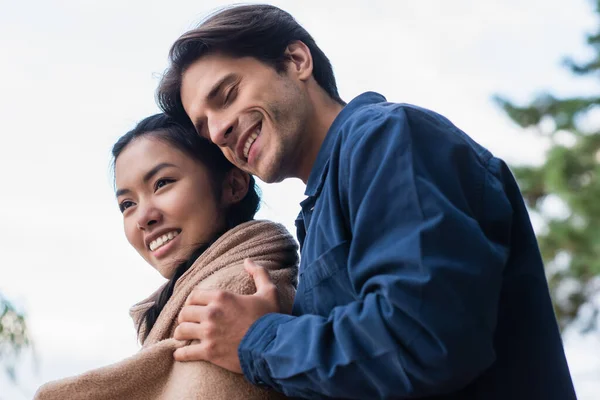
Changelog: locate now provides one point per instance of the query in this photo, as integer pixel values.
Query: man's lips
(241, 144)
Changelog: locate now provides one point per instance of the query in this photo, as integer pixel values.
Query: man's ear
(300, 60)
(235, 187)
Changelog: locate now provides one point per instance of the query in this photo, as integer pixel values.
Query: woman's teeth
(161, 241)
(250, 141)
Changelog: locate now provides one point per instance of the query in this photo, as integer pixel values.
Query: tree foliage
(570, 176)
(13, 335)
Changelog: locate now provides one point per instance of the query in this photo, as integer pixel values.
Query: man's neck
(325, 111)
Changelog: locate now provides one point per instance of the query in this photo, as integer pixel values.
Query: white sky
(77, 74)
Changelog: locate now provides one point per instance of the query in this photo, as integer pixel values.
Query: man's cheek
(231, 157)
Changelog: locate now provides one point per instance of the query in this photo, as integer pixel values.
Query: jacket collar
(319, 170)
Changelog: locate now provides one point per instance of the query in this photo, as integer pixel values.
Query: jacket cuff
(253, 346)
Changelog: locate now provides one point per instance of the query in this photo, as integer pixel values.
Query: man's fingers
(200, 297)
(193, 352)
(188, 331)
(261, 277)
(191, 314)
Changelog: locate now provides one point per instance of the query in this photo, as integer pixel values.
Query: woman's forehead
(143, 154)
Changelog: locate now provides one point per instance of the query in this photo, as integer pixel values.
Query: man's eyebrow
(217, 87)
(147, 176)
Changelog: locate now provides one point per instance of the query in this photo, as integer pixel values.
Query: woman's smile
(164, 244)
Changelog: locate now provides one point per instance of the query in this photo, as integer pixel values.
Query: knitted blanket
(152, 373)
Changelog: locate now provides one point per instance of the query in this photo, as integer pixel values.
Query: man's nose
(220, 131)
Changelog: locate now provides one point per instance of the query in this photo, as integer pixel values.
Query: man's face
(256, 115)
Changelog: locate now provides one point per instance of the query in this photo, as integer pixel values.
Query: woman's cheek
(174, 204)
(134, 237)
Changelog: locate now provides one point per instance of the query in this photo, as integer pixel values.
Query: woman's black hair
(185, 139)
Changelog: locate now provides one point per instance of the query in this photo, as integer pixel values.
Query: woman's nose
(150, 216)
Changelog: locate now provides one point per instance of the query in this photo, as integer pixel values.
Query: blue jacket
(420, 274)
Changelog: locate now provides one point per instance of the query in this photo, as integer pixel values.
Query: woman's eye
(125, 205)
(162, 182)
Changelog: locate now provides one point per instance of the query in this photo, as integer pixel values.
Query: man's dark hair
(259, 31)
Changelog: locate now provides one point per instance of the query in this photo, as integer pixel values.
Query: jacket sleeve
(430, 230)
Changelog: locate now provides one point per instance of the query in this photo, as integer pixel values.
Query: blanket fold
(152, 373)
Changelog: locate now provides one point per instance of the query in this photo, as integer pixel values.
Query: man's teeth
(164, 239)
(251, 140)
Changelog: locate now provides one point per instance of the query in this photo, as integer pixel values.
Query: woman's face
(168, 203)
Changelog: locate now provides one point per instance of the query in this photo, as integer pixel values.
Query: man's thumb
(261, 277)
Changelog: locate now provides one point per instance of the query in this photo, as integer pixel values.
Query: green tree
(13, 336)
(570, 244)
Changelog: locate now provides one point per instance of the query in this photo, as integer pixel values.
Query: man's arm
(426, 265)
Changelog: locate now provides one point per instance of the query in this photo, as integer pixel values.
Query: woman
(189, 213)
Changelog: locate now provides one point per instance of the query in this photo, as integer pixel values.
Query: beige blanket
(152, 373)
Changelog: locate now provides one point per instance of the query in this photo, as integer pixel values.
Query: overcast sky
(77, 74)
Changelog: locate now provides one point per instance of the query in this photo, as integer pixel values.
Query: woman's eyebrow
(155, 171)
(147, 176)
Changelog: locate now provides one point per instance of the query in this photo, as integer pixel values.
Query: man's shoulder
(388, 115)
(383, 113)
(371, 118)
(386, 122)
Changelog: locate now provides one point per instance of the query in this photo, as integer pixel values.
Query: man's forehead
(201, 78)
(211, 68)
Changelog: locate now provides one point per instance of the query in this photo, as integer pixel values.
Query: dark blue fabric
(420, 274)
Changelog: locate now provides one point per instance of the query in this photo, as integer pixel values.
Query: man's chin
(271, 177)
(270, 171)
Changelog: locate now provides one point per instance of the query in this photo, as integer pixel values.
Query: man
(420, 274)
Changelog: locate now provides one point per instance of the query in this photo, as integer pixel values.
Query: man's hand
(219, 320)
